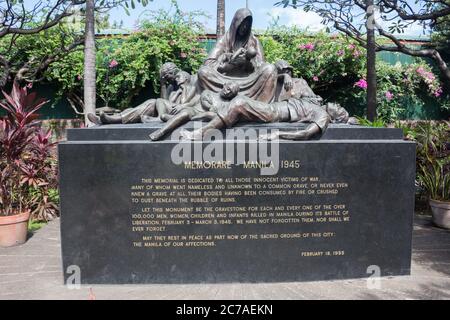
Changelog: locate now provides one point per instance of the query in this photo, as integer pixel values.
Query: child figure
(205, 108)
(168, 74)
(289, 87)
(184, 97)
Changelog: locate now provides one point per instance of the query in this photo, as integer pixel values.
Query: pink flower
(315, 78)
(309, 46)
(389, 96)
(183, 55)
(79, 78)
(438, 92)
(430, 75)
(356, 53)
(113, 63)
(362, 83)
(420, 70)
(340, 52)
(351, 46)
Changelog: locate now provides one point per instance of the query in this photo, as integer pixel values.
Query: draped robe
(257, 79)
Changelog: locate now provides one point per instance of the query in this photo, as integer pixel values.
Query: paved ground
(33, 271)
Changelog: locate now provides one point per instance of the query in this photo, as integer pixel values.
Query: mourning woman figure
(239, 57)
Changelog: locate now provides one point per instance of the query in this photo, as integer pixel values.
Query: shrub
(335, 67)
(433, 157)
(125, 66)
(28, 171)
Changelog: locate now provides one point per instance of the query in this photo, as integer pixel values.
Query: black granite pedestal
(135, 211)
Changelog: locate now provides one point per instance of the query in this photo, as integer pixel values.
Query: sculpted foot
(110, 119)
(157, 135)
(94, 119)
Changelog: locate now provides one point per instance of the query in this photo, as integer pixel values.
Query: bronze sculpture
(235, 84)
(206, 107)
(186, 96)
(294, 109)
(239, 57)
(168, 74)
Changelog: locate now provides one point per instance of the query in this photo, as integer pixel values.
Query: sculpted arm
(304, 134)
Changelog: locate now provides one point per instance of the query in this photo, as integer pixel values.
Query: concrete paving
(33, 271)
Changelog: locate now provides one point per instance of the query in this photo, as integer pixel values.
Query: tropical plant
(377, 123)
(335, 67)
(393, 19)
(433, 159)
(28, 171)
(436, 180)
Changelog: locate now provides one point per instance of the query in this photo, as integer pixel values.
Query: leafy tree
(395, 17)
(16, 20)
(334, 66)
(441, 37)
(125, 66)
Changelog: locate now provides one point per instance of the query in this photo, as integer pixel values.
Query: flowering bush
(335, 67)
(28, 171)
(325, 62)
(125, 66)
(399, 86)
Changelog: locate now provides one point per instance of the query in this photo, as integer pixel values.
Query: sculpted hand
(270, 136)
(239, 55)
(176, 110)
(288, 83)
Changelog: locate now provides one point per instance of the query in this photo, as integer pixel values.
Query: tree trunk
(89, 61)
(371, 60)
(220, 18)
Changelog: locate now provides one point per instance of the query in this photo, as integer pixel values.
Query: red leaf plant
(28, 179)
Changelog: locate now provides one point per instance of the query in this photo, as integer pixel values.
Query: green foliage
(435, 180)
(322, 60)
(127, 65)
(433, 158)
(35, 225)
(335, 67)
(378, 123)
(28, 170)
(441, 37)
(33, 51)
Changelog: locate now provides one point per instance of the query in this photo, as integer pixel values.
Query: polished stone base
(142, 131)
(356, 223)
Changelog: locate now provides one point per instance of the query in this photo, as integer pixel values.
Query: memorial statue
(295, 109)
(185, 97)
(235, 84)
(169, 87)
(285, 90)
(206, 107)
(239, 57)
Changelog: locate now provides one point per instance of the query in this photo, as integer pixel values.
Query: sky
(262, 12)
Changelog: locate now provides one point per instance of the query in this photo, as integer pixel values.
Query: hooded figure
(239, 57)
